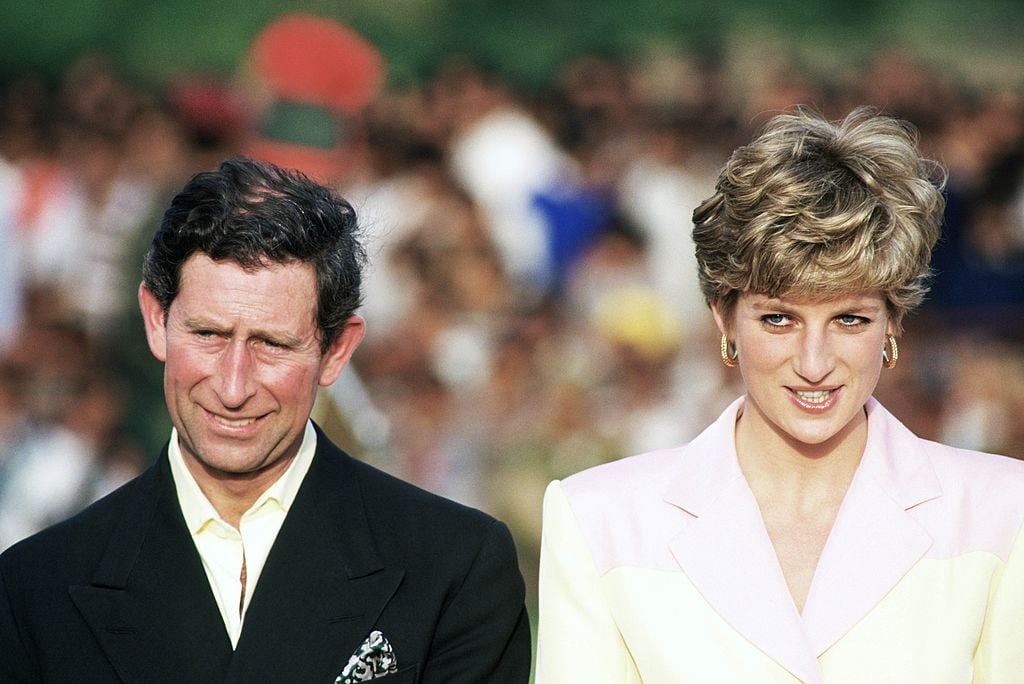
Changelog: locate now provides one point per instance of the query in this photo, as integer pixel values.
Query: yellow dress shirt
(223, 548)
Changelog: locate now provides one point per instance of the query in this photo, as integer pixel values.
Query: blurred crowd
(531, 298)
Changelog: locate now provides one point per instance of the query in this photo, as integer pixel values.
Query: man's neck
(232, 494)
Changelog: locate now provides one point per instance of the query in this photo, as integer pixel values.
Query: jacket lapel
(726, 553)
(874, 541)
(323, 586)
(149, 604)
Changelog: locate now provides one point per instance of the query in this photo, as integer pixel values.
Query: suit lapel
(726, 553)
(323, 586)
(874, 541)
(149, 604)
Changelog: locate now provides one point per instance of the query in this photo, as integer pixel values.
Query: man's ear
(155, 319)
(340, 351)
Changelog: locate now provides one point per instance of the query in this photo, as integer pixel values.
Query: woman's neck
(780, 467)
(799, 489)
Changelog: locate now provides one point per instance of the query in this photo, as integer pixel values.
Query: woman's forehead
(846, 299)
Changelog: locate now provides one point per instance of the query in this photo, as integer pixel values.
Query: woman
(806, 535)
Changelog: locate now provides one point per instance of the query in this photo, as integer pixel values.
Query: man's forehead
(253, 265)
(295, 273)
(207, 284)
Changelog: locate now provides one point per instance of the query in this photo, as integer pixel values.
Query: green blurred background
(154, 40)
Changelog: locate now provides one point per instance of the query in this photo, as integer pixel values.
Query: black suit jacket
(118, 593)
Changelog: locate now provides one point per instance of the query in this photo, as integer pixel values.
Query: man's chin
(231, 464)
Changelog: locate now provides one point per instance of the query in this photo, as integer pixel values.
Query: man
(254, 550)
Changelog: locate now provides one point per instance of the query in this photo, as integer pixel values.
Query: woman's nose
(814, 358)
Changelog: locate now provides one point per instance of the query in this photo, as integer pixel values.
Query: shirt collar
(198, 510)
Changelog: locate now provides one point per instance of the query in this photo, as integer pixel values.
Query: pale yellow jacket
(658, 568)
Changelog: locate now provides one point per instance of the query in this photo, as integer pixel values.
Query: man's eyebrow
(282, 337)
(202, 324)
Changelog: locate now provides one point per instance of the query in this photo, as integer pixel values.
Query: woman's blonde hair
(816, 209)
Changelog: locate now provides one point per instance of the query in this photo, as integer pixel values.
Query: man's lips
(236, 422)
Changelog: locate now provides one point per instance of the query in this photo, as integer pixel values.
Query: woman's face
(808, 366)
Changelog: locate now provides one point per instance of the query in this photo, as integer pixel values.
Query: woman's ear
(892, 326)
(720, 317)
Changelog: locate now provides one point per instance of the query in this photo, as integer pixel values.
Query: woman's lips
(815, 400)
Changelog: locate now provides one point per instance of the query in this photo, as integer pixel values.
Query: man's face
(242, 363)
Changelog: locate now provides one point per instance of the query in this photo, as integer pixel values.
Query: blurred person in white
(10, 263)
(43, 465)
(123, 179)
(62, 408)
(806, 535)
(647, 386)
(505, 160)
(51, 466)
(659, 188)
(88, 189)
(440, 299)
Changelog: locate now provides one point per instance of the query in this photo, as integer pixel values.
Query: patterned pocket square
(374, 658)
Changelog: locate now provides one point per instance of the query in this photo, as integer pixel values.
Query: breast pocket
(406, 675)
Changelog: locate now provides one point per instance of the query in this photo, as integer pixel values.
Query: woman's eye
(777, 320)
(850, 320)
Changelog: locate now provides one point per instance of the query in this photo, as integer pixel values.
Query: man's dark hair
(252, 213)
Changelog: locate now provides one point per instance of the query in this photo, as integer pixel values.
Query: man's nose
(235, 381)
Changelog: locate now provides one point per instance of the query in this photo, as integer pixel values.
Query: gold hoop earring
(727, 358)
(889, 359)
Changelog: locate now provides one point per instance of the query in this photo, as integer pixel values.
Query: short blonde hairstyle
(816, 209)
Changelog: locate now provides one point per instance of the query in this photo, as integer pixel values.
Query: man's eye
(273, 344)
